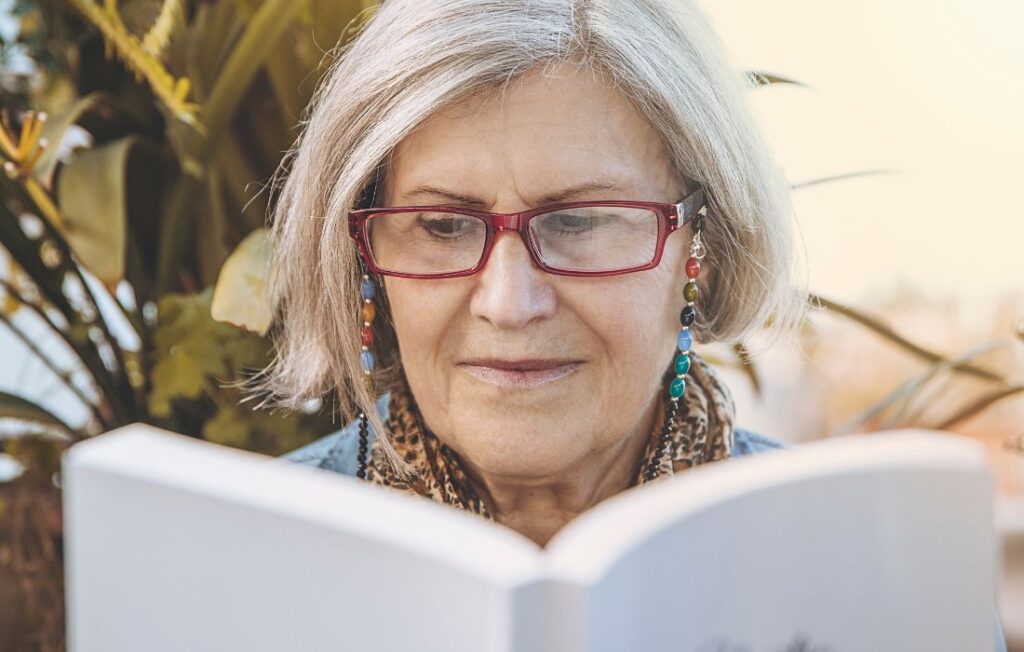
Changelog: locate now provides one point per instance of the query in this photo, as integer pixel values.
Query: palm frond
(172, 13)
(172, 92)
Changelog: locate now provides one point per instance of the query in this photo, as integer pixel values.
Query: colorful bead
(366, 357)
(677, 388)
(685, 340)
(367, 335)
(692, 267)
(687, 316)
(690, 291)
(368, 289)
(369, 312)
(682, 364)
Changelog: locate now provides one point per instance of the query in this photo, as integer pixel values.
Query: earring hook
(697, 249)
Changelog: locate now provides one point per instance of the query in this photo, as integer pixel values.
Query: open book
(868, 543)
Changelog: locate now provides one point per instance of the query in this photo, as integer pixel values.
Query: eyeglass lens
(583, 239)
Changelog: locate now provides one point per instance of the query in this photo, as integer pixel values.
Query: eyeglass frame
(671, 217)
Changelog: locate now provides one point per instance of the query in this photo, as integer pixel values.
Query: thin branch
(936, 369)
(120, 375)
(761, 78)
(118, 388)
(63, 376)
(906, 391)
(817, 301)
(980, 404)
(11, 290)
(842, 177)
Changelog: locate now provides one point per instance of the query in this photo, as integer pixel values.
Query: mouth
(519, 374)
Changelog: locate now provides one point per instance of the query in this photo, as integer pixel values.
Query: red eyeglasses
(589, 238)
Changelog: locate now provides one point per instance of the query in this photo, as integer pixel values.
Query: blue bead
(685, 340)
(682, 364)
(677, 388)
(367, 360)
(368, 289)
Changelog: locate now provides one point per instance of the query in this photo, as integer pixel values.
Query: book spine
(548, 616)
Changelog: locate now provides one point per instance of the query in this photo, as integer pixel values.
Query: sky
(930, 89)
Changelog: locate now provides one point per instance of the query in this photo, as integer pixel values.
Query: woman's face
(609, 338)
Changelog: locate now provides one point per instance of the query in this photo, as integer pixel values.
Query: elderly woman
(511, 221)
(505, 226)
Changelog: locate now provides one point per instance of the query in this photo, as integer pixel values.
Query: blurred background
(137, 134)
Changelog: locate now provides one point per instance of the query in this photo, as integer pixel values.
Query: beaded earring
(684, 342)
(367, 290)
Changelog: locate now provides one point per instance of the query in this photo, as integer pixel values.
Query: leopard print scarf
(702, 432)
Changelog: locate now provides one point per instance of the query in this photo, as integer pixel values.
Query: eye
(570, 221)
(445, 226)
(573, 223)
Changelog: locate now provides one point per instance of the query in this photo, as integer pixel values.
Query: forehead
(547, 130)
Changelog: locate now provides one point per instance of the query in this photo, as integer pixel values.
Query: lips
(519, 374)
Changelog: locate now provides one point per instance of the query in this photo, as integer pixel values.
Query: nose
(511, 290)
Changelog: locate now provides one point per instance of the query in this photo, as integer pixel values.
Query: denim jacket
(338, 452)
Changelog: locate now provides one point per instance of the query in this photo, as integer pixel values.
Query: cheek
(424, 314)
(636, 318)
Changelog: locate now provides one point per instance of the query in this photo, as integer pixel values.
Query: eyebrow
(550, 198)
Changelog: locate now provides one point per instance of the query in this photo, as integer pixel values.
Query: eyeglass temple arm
(687, 209)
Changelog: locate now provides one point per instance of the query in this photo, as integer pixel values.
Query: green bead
(690, 291)
(682, 364)
(677, 387)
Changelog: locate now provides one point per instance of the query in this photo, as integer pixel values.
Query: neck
(540, 509)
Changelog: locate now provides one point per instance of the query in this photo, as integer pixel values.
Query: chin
(522, 467)
(523, 445)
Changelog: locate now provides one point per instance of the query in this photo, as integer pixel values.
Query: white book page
(838, 541)
(175, 544)
(877, 542)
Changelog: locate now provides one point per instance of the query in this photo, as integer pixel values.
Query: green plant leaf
(240, 297)
(57, 125)
(171, 16)
(248, 55)
(259, 430)
(16, 407)
(176, 376)
(185, 328)
(327, 24)
(171, 91)
(212, 33)
(92, 192)
(235, 168)
(212, 222)
(228, 427)
(287, 77)
(198, 360)
(262, 34)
